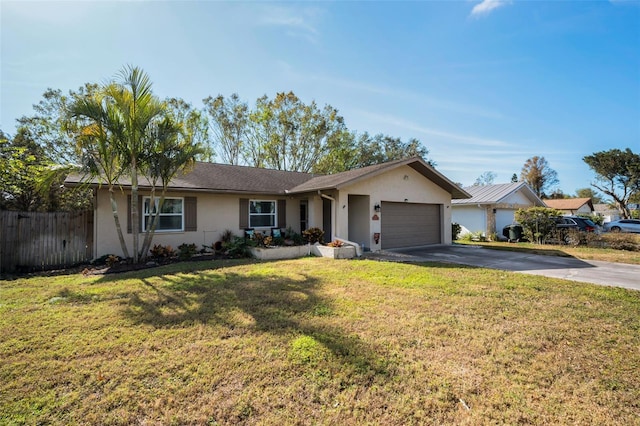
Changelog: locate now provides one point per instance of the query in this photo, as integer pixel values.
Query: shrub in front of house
(187, 251)
(161, 253)
(313, 235)
(455, 230)
(477, 236)
(538, 223)
(107, 259)
(239, 247)
(270, 241)
(111, 260)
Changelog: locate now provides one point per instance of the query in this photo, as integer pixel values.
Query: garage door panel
(409, 224)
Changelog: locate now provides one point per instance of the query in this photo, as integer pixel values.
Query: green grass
(317, 341)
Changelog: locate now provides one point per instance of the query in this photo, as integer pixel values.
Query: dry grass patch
(317, 341)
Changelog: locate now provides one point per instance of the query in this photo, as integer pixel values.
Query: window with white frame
(262, 213)
(171, 217)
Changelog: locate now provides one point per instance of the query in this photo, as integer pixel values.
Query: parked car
(576, 223)
(573, 229)
(623, 225)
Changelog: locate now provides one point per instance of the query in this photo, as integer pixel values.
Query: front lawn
(317, 341)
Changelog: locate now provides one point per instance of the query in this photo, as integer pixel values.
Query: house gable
(520, 198)
(517, 193)
(351, 177)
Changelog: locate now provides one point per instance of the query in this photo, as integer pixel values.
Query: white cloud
(486, 6)
(297, 22)
(362, 87)
(445, 135)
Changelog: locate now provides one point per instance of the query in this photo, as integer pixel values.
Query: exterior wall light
(377, 207)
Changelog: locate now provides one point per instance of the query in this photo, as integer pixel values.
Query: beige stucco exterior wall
(402, 184)
(216, 213)
(219, 212)
(315, 211)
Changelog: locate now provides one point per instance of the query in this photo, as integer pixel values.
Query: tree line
(282, 133)
(122, 129)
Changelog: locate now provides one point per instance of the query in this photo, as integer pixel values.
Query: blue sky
(483, 84)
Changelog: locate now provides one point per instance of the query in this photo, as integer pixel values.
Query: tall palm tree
(100, 156)
(128, 131)
(135, 109)
(173, 151)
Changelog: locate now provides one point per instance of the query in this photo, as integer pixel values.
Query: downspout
(333, 224)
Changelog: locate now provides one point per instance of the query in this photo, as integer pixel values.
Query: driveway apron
(568, 268)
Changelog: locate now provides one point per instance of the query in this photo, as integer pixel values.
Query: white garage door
(409, 224)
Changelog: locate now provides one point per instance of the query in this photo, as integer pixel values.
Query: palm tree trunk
(151, 229)
(116, 218)
(135, 217)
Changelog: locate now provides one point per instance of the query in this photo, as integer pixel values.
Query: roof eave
(416, 163)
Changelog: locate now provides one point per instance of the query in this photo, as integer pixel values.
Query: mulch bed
(102, 269)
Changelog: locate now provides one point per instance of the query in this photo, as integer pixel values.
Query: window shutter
(244, 213)
(282, 213)
(190, 214)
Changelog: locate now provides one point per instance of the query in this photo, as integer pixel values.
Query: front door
(326, 219)
(304, 215)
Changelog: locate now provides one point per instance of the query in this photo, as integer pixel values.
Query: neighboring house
(492, 207)
(607, 213)
(571, 206)
(396, 204)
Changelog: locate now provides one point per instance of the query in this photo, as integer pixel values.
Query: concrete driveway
(569, 268)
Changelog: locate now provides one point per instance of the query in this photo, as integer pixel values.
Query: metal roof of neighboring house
(339, 180)
(569, 203)
(494, 194)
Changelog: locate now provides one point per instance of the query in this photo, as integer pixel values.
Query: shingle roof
(493, 194)
(339, 180)
(569, 203)
(212, 177)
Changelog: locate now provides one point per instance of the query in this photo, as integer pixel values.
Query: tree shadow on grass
(276, 304)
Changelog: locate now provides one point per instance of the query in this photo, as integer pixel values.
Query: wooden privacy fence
(36, 241)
